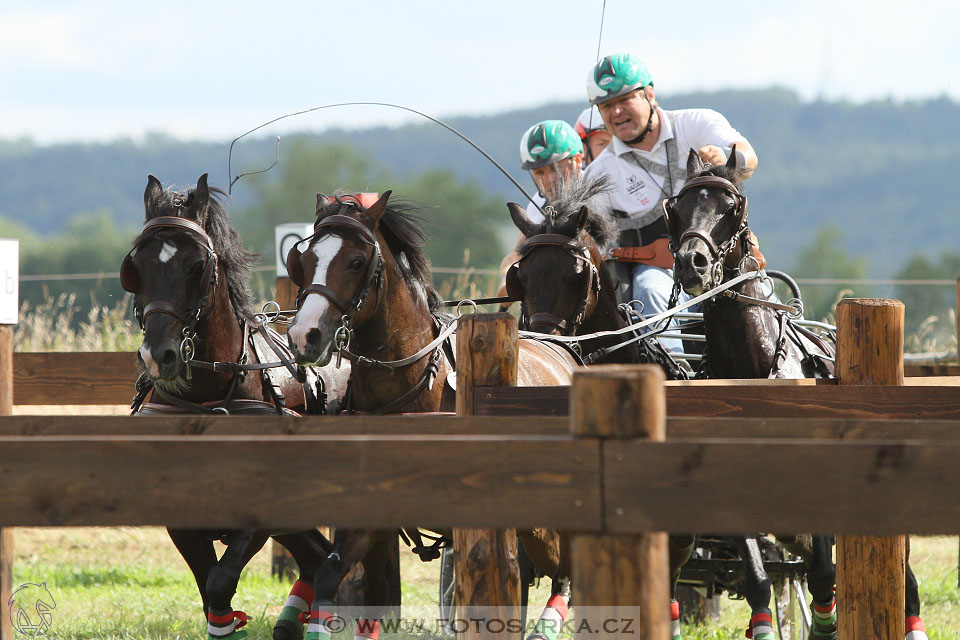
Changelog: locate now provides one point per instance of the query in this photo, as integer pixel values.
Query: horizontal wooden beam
(74, 378)
(446, 425)
(173, 425)
(863, 487)
(286, 482)
(753, 401)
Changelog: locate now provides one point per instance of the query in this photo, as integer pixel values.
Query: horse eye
(356, 264)
(196, 268)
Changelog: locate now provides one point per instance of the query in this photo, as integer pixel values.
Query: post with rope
(9, 309)
(870, 569)
(620, 576)
(485, 560)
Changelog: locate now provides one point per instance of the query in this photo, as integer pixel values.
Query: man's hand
(712, 154)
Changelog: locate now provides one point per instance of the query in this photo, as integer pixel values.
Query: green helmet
(547, 143)
(616, 75)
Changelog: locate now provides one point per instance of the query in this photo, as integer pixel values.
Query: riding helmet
(547, 143)
(589, 123)
(616, 75)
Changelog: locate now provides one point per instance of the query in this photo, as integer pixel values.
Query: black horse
(746, 338)
(189, 275)
(565, 289)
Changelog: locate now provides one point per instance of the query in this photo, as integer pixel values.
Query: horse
(189, 272)
(366, 292)
(745, 338)
(565, 289)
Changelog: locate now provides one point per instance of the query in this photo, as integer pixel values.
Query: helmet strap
(647, 129)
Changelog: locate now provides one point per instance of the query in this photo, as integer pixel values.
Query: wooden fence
(737, 456)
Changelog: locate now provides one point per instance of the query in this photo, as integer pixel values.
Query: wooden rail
(876, 447)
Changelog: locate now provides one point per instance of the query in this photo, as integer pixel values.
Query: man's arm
(715, 155)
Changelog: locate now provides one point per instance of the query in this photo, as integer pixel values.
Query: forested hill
(882, 172)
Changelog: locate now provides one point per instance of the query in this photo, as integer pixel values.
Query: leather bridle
(591, 283)
(721, 251)
(206, 298)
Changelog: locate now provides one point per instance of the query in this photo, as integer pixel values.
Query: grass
(130, 584)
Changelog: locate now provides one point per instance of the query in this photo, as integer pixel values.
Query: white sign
(286, 236)
(9, 281)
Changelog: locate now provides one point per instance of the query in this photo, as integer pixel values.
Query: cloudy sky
(98, 70)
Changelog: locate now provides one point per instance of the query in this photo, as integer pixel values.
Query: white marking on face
(148, 362)
(167, 251)
(704, 193)
(314, 307)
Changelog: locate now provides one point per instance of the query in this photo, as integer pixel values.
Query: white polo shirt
(533, 209)
(638, 193)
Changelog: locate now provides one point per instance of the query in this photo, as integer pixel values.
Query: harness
(315, 398)
(373, 281)
(815, 364)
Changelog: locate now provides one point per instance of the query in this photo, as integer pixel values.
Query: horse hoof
(287, 630)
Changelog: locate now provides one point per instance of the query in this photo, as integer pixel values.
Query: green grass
(130, 584)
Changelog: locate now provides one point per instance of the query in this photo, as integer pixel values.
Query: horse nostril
(700, 261)
(313, 337)
(169, 358)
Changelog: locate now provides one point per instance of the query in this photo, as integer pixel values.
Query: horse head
(707, 219)
(558, 276)
(173, 273)
(340, 275)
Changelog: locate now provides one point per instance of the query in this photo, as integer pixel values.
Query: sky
(97, 70)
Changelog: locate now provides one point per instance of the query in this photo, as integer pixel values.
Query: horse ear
(694, 163)
(199, 201)
(322, 202)
(151, 195)
(732, 160)
(375, 211)
(519, 216)
(582, 218)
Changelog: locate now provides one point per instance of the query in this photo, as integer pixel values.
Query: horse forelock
(572, 197)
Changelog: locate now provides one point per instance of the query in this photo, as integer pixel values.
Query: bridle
(720, 252)
(591, 283)
(373, 279)
(206, 297)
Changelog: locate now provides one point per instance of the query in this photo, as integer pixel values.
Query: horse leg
(381, 593)
(680, 547)
(816, 551)
(915, 628)
(198, 552)
(350, 546)
(222, 620)
(756, 589)
(550, 553)
(309, 549)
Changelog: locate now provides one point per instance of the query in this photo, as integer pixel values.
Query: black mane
(402, 230)
(235, 261)
(572, 197)
(735, 176)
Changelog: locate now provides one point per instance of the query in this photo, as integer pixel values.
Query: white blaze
(314, 307)
(167, 251)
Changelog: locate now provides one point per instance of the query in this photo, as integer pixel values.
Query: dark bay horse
(712, 245)
(189, 275)
(366, 293)
(565, 289)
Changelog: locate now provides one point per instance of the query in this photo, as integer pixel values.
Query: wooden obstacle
(481, 471)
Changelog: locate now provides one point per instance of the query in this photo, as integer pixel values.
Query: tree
(826, 258)
(930, 309)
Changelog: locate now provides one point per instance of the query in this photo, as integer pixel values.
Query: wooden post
(6, 534)
(620, 576)
(485, 560)
(870, 570)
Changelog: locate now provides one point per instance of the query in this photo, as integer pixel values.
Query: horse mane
(236, 263)
(573, 196)
(402, 230)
